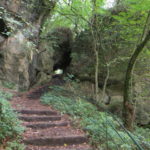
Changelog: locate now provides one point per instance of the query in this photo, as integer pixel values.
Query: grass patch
(103, 130)
(10, 128)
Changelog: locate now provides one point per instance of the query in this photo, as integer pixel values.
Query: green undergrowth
(103, 129)
(10, 126)
(5, 95)
(8, 85)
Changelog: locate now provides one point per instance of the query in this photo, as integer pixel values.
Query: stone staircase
(48, 130)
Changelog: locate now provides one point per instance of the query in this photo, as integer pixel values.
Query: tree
(128, 104)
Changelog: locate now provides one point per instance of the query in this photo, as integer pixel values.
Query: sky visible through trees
(109, 3)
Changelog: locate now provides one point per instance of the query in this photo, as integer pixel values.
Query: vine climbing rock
(46, 128)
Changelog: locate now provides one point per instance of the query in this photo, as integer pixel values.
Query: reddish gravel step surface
(46, 128)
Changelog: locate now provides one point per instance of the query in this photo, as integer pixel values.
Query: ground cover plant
(104, 130)
(10, 126)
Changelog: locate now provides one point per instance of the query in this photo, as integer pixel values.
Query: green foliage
(8, 85)
(75, 14)
(10, 127)
(131, 29)
(143, 135)
(15, 145)
(5, 95)
(140, 5)
(103, 129)
(141, 132)
(132, 19)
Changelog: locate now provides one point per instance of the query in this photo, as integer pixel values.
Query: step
(52, 132)
(68, 147)
(56, 141)
(37, 112)
(38, 92)
(50, 118)
(46, 125)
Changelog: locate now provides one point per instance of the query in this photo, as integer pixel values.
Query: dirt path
(46, 128)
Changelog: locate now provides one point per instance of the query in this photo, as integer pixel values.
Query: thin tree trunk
(105, 83)
(0, 108)
(96, 74)
(95, 40)
(96, 64)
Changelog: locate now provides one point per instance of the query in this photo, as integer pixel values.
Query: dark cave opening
(65, 59)
(1, 60)
(3, 29)
(1, 56)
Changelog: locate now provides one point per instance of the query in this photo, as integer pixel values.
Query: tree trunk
(0, 108)
(94, 27)
(96, 73)
(128, 111)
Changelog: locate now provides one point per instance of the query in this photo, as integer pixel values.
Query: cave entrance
(1, 61)
(64, 57)
(3, 29)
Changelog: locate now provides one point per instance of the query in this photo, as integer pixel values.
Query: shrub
(10, 128)
(9, 85)
(15, 145)
(5, 95)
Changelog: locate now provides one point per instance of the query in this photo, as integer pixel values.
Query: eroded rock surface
(19, 51)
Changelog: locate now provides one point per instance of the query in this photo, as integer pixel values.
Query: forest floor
(46, 128)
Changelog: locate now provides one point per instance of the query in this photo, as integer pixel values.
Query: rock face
(19, 38)
(29, 10)
(54, 53)
(17, 55)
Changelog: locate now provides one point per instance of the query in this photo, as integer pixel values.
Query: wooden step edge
(56, 141)
(31, 119)
(46, 125)
(37, 112)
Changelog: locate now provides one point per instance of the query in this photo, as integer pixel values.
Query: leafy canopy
(73, 14)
